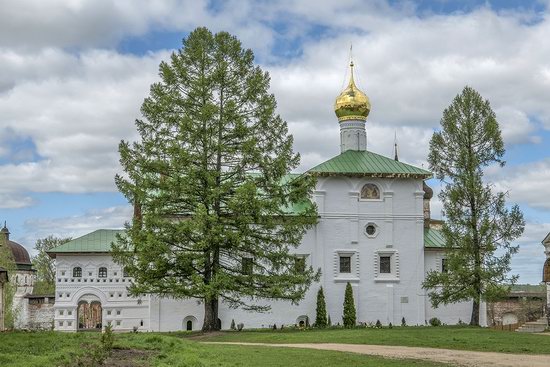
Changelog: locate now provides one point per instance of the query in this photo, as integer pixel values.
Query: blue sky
(74, 74)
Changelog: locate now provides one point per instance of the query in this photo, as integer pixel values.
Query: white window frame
(393, 276)
(376, 230)
(353, 276)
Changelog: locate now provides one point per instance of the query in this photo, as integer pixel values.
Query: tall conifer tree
(479, 228)
(321, 310)
(216, 213)
(349, 317)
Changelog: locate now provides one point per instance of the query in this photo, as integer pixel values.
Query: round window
(370, 229)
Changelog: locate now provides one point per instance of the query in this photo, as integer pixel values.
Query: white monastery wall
(124, 312)
(451, 313)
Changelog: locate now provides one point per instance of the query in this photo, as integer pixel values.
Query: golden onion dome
(352, 104)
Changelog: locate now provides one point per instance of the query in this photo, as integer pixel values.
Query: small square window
(118, 322)
(108, 312)
(120, 294)
(60, 323)
(68, 294)
(62, 273)
(115, 273)
(118, 312)
(69, 313)
(89, 273)
(70, 323)
(61, 312)
(111, 295)
(345, 264)
(385, 264)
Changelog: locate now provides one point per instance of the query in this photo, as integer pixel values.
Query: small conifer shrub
(233, 327)
(378, 324)
(321, 311)
(403, 322)
(349, 317)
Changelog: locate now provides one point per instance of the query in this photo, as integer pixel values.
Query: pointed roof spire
(396, 155)
(351, 81)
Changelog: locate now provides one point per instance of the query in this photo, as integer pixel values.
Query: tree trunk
(210, 316)
(474, 321)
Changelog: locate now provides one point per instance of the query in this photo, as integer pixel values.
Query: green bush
(434, 321)
(349, 317)
(378, 324)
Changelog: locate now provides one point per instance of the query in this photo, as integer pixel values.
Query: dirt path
(454, 357)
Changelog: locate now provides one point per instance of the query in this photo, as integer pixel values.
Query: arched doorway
(190, 323)
(302, 321)
(89, 313)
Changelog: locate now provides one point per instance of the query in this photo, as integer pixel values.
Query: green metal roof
(433, 238)
(97, 241)
(367, 164)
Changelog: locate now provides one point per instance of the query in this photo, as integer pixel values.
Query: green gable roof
(98, 241)
(367, 164)
(433, 238)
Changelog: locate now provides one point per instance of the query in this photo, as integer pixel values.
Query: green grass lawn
(449, 337)
(20, 349)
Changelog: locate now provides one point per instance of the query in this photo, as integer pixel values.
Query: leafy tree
(349, 316)
(45, 265)
(479, 227)
(321, 311)
(209, 181)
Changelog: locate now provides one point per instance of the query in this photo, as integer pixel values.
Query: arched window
(370, 192)
(77, 272)
(102, 272)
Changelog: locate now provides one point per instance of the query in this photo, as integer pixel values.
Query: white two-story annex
(374, 231)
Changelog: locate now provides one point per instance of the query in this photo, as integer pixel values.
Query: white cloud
(77, 225)
(15, 201)
(529, 260)
(75, 114)
(526, 183)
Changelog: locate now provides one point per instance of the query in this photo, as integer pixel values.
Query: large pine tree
(216, 213)
(479, 228)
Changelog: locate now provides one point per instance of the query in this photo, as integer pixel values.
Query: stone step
(534, 326)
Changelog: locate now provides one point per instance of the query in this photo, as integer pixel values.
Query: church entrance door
(89, 313)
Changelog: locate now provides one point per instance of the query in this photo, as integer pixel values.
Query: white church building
(374, 231)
